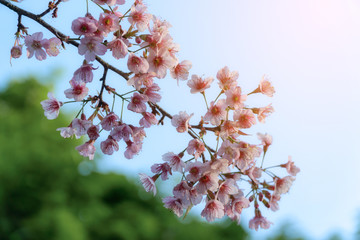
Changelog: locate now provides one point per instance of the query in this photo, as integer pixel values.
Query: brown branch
(103, 80)
(63, 37)
(51, 7)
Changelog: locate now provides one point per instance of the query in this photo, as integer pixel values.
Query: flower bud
(261, 196)
(16, 51)
(266, 204)
(267, 194)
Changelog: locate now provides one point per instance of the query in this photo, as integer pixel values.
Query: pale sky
(310, 50)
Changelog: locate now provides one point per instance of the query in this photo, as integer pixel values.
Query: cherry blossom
(290, 167)
(148, 183)
(213, 209)
(139, 18)
(87, 149)
(137, 64)
(198, 84)
(90, 47)
(227, 79)
(137, 103)
(259, 221)
(181, 70)
(175, 161)
(51, 107)
(181, 121)
(35, 44)
(78, 90)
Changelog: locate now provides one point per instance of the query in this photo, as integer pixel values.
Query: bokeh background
(309, 49)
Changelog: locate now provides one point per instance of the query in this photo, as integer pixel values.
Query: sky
(310, 51)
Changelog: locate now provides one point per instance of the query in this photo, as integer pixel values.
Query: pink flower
(84, 73)
(118, 47)
(51, 107)
(174, 160)
(195, 148)
(148, 120)
(229, 150)
(90, 47)
(137, 103)
(239, 203)
(109, 121)
(197, 84)
(207, 182)
(216, 112)
(195, 170)
(121, 132)
(234, 98)
(290, 167)
(182, 191)
(93, 132)
(181, 121)
(244, 118)
(86, 26)
(35, 44)
(274, 205)
(227, 79)
(254, 173)
(213, 209)
(87, 149)
(148, 183)
(181, 70)
(16, 51)
(173, 204)
(80, 126)
(264, 112)
(139, 18)
(266, 88)
(163, 169)
(219, 165)
(259, 221)
(108, 22)
(78, 90)
(282, 185)
(132, 149)
(228, 128)
(226, 189)
(151, 93)
(140, 79)
(160, 61)
(137, 64)
(52, 46)
(266, 139)
(66, 132)
(109, 146)
(138, 134)
(108, 2)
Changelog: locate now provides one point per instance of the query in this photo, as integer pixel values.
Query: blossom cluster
(219, 176)
(142, 42)
(158, 55)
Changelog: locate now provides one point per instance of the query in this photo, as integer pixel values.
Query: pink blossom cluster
(156, 54)
(38, 46)
(219, 176)
(226, 178)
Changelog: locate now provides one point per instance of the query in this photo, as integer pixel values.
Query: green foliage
(42, 195)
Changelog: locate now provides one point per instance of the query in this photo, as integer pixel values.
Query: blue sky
(309, 49)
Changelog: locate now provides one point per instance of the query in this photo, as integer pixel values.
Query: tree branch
(51, 7)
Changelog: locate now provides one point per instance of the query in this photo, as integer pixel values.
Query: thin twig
(51, 7)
